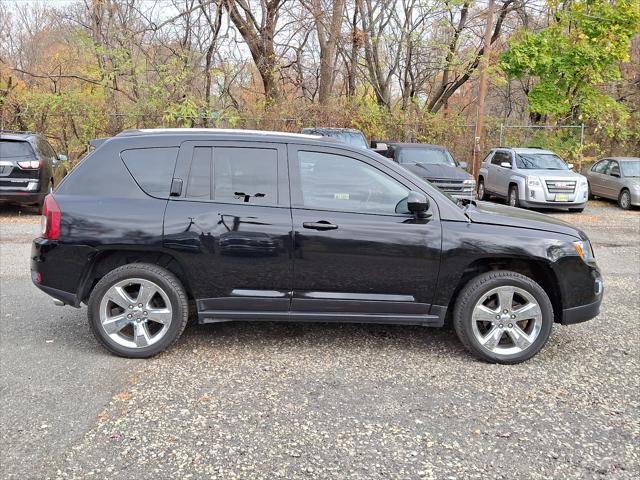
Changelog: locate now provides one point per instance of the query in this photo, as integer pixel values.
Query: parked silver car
(617, 178)
(532, 177)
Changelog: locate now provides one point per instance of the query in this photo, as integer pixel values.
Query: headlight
(468, 182)
(533, 182)
(584, 250)
(582, 182)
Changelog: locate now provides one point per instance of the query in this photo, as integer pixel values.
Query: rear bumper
(66, 298)
(21, 197)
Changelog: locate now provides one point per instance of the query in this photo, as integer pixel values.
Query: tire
(590, 194)
(481, 191)
(138, 331)
(514, 196)
(466, 314)
(624, 199)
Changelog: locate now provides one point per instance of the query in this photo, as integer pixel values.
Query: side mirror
(418, 204)
(505, 164)
(570, 165)
(464, 165)
(380, 147)
(62, 158)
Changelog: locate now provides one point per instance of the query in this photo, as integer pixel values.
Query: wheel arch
(107, 260)
(538, 270)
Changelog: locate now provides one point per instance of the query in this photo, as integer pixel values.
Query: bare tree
(259, 35)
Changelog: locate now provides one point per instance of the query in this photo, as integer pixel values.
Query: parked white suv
(532, 177)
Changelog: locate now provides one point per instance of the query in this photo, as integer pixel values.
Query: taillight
(30, 165)
(50, 218)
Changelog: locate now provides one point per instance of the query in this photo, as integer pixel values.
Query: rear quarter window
(152, 168)
(15, 148)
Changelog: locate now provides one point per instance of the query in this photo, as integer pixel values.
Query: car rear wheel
(481, 190)
(138, 310)
(514, 196)
(624, 199)
(503, 317)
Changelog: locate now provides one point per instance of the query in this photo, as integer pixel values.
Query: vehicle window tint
(600, 167)
(11, 148)
(335, 182)
(612, 168)
(486, 159)
(245, 175)
(199, 183)
(500, 157)
(45, 149)
(152, 168)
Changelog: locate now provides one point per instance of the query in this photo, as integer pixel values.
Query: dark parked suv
(435, 164)
(270, 226)
(29, 168)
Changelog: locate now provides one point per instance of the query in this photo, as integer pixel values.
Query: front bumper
(582, 313)
(540, 196)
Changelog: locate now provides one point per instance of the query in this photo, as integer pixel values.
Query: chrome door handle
(321, 225)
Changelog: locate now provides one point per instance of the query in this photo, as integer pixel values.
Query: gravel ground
(278, 400)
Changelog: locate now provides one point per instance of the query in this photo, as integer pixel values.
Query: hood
(551, 173)
(433, 171)
(496, 214)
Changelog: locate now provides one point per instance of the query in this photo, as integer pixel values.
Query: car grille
(452, 186)
(561, 186)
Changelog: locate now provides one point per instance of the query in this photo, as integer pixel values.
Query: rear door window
(234, 175)
(246, 175)
(199, 184)
(152, 168)
(14, 149)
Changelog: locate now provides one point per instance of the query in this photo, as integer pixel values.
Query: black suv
(29, 168)
(269, 226)
(435, 164)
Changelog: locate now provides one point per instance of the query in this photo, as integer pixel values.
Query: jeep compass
(243, 225)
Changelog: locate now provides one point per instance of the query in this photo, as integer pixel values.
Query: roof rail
(17, 131)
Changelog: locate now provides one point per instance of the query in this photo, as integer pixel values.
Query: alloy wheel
(506, 320)
(625, 200)
(135, 313)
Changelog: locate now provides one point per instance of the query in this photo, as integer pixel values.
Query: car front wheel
(503, 317)
(138, 310)
(481, 190)
(514, 197)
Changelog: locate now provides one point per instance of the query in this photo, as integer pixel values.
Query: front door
(230, 226)
(500, 175)
(356, 249)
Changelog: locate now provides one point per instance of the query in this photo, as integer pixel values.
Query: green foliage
(573, 57)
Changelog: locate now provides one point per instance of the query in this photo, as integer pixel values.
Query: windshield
(630, 168)
(542, 161)
(431, 156)
(352, 138)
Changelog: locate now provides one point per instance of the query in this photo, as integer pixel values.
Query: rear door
(597, 177)
(228, 222)
(355, 253)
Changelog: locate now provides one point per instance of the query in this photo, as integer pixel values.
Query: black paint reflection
(230, 246)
